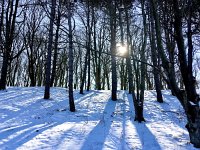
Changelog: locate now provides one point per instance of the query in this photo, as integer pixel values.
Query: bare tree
(71, 59)
(188, 98)
(33, 18)
(48, 61)
(112, 10)
(154, 58)
(55, 55)
(11, 13)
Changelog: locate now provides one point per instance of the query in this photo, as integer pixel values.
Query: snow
(27, 121)
(192, 103)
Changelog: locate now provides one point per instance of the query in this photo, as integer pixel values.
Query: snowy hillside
(28, 122)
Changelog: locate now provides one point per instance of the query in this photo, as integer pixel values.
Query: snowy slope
(28, 122)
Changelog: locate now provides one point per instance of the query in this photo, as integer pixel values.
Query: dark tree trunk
(31, 69)
(107, 78)
(154, 59)
(140, 101)
(113, 50)
(128, 60)
(48, 62)
(191, 88)
(71, 58)
(169, 70)
(97, 54)
(16, 68)
(88, 43)
(89, 57)
(55, 56)
(191, 98)
(123, 67)
(4, 71)
(9, 32)
(1, 24)
(122, 74)
(84, 73)
(188, 97)
(97, 62)
(88, 82)
(31, 61)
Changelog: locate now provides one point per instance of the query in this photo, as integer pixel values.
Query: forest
(84, 45)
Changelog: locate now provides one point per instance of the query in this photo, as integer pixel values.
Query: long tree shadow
(34, 116)
(147, 139)
(124, 99)
(96, 138)
(25, 134)
(171, 110)
(85, 96)
(14, 110)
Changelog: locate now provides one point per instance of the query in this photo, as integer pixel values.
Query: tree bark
(140, 101)
(113, 50)
(88, 45)
(1, 24)
(154, 59)
(55, 56)
(9, 32)
(48, 61)
(191, 98)
(71, 58)
(128, 60)
(84, 73)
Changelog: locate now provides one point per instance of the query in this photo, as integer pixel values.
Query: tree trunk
(48, 63)
(31, 66)
(123, 67)
(113, 50)
(9, 32)
(55, 56)
(84, 73)
(4, 71)
(191, 98)
(154, 59)
(107, 78)
(97, 54)
(188, 98)
(128, 60)
(71, 58)
(169, 70)
(88, 45)
(140, 101)
(1, 24)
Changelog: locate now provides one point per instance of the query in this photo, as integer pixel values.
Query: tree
(49, 53)
(97, 55)
(128, 60)
(34, 17)
(154, 58)
(1, 24)
(112, 9)
(55, 55)
(138, 102)
(71, 97)
(190, 99)
(11, 13)
(187, 97)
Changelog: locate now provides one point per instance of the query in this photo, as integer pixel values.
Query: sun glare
(121, 50)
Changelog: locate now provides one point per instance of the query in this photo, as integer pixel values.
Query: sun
(121, 49)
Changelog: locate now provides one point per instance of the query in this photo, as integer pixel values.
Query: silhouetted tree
(49, 53)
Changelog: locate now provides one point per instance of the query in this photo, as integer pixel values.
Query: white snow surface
(28, 122)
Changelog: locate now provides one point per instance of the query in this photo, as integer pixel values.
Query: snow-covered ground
(28, 122)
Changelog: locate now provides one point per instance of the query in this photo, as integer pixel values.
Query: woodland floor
(29, 122)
